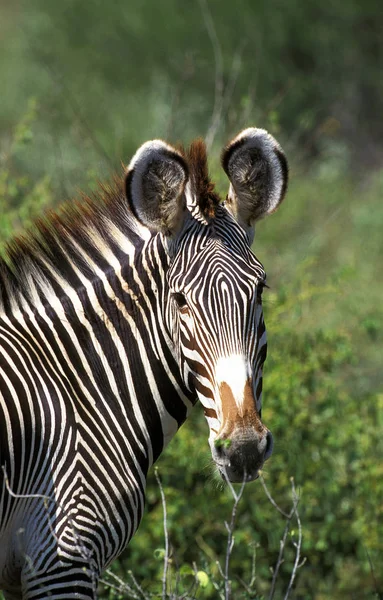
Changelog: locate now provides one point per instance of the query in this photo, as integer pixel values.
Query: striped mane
(87, 222)
(203, 188)
(94, 224)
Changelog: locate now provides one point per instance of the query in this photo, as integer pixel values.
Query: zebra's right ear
(154, 183)
(258, 173)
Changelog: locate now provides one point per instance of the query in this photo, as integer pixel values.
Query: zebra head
(212, 306)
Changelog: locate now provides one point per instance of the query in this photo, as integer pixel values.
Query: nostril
(218, 449)
(269, 445)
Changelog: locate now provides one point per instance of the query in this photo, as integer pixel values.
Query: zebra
(117, 313)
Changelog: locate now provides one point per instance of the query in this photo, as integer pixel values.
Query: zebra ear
(154, 183)
(258, 173)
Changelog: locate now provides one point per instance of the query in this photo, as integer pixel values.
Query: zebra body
(115, 317)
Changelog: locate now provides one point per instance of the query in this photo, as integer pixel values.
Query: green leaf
(159, 553)
(203, 578)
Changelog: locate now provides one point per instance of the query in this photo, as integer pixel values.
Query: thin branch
(298, 563)
(253, 565)
(282, 545)
(230, 531)
(166, 557)
(46, 499)
(25, 496)
(222, 95)
(184, 75)
(298, 544)
(285, 514)
(248, 108)
(218, 61)
(235, 69)
(249, 587)
(84, 551)
(378, 594)
(137, 586)
(120, 587)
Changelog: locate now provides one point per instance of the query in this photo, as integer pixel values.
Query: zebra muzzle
(241, 456)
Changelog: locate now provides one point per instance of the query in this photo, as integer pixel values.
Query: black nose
(242, 455)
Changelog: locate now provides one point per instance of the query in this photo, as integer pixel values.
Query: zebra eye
(180, 300)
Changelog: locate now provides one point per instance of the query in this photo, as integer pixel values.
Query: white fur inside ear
(257, 169)
(155, 181)
(260, 138)
(147, 152)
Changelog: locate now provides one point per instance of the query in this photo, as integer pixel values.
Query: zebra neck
(110, 332)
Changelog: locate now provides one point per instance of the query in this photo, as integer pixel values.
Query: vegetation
(86, 83)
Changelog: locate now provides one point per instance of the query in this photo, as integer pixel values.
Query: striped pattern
(109, 332)
(219, 273)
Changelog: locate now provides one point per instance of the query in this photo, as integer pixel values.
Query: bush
(21, 198)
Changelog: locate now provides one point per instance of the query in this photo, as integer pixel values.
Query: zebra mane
(91, 225)
(88, 222)
(203, 187)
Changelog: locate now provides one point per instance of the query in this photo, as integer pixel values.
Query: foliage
(21, 198)
(108, 77)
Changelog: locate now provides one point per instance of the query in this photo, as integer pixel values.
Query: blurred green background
(83, 85)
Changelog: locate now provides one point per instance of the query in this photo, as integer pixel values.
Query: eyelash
(260, 287)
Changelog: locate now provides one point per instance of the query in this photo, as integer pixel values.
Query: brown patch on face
(234, 416)
(209, 412)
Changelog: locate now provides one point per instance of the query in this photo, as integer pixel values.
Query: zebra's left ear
(154, 183)
(258, 172)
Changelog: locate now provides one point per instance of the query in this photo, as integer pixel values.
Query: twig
(184, 75)
(379, 594)
(46, 499)
(220, 569)
(166, 535)
(218, 60)
(137, 585)
(84, 551)
(235, 69)
(285, 514)
(298, 544)
(222, 95)
(230, 532)
(282, 544)
(121, 585)
(253, 563)
(249, 586)
(25, 496)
